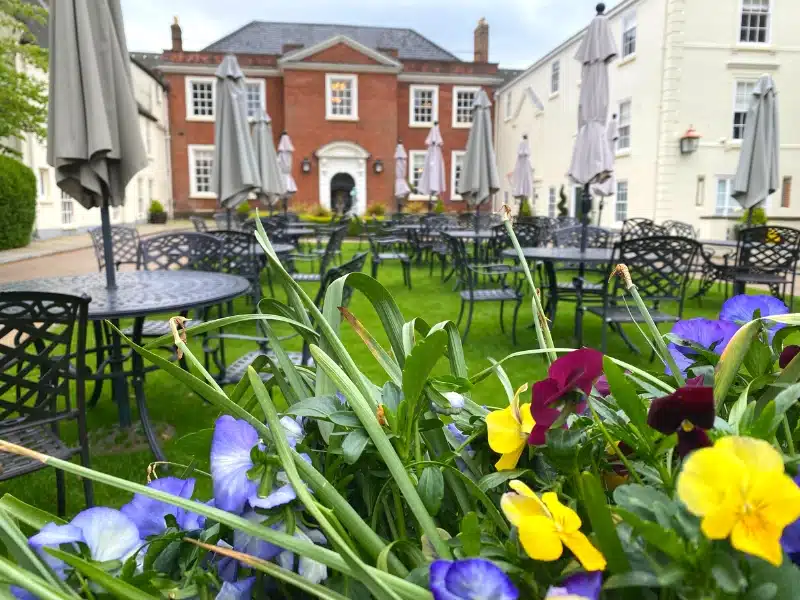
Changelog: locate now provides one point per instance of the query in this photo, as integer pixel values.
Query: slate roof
(261, 37)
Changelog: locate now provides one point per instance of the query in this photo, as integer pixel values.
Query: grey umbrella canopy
(608, 187)
(401, 188)
(93, 138)
(522, 176)
(592, 159)
(431, 181)
(285, 157)
(272, 186)
(479, 178)
(235, 170)
(757, 173)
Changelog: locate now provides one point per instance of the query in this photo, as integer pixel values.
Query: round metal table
(137, 295)
(470, 234)
(298, 231)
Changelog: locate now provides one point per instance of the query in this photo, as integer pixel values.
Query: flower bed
(600, 481)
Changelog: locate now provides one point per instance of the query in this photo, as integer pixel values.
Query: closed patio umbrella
(234, 172)
(93, 138)
(757, 174)
(607, 188)
(272, 185)
(401, 189)
(285, 156)
(479, 178)
(592, 158)
(431, 181)
(522, 176)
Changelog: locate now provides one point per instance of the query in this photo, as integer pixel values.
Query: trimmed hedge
(17, 203)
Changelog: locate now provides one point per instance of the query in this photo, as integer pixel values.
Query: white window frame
(193, 150)
(434, 112)
(148, 138)
(628, 23)
(555, 77)
(353, 79)
(620, 125)
(454, 156)
(262, 84)
(730, 206)
(412, 154)
(552, 202)
(751, 82)
(509, 105)
(768, 38)
(617, 202)
(42, 182)
(190, 116)
(456, 91)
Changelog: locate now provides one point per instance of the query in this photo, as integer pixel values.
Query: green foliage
(321, 211)
(23, 103)
(377, 210)
(17, 203)
(524, 208)
(439, 208)
(563, 209)
(243, 210)
(417, 207)
(156, 208)
(758, 219)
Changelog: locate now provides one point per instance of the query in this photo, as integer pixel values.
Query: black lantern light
(377, 166)
(305, 166)
(690, 141)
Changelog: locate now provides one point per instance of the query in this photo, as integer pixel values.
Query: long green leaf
(603, 524)
(25, 513)
(370, 422)
(299, 389)
(111, 584)
(626, 398)
(17, 545)
(730, 361)
(18, 576)
(384, 359)
(419, 364)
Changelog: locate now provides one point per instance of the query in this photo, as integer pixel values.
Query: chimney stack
(482, 42)
(177, 36)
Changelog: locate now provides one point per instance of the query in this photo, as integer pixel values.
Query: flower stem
(658, 338)
(614, 446)
(787, 431)
(543, 334)
(399, 515)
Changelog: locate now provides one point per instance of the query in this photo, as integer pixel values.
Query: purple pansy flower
(791, 537)
(581, 586)
(239, 590)
(787, 355)
(313, 571)
(148, 514)
(460, 438)
(470, 579)
(741, 309)
(713, 335)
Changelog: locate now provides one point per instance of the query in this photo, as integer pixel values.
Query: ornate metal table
(137, 295)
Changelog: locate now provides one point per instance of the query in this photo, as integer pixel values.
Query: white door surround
(343, 157)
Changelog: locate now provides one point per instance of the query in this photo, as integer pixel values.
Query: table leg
(138, 388)
(578, 283)
(119, 383)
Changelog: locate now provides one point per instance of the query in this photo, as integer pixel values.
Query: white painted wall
(687, 61)
(52, 210)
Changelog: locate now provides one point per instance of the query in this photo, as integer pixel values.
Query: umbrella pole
(750, 216)
(600, 212)
(586, 207)
(477, 228)
(108, 247)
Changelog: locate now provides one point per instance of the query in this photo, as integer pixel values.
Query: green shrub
(417, 208)
(439, 208)
(321, 211)
(758, 219)
(243, 210)
(156, 208)
(525, 208)
(17, 203)
(376, 210)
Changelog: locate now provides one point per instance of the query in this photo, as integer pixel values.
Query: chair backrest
(534, 233)
(768, 249)
(228, 220)
(637, 228)
(238, 254)
(354, 265)
(184, 250)
(561, 222)
(460, 258)
(333, 246)
(570, 237)
(124, 241)
(659, 266)
(679, 228)
(199, 223)
(40, 333)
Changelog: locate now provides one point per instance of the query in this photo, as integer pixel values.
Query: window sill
(553, 95)
(456, 198)
(627, 60)
(462, 125)
(754, 47)
(733, 145)
(622, 153)
(341, 118)
(203, 195)
(421, 198)
(420, 125)
(195, 118)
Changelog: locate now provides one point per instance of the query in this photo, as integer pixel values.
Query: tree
(23, 90)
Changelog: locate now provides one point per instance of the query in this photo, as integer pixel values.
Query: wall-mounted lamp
(305, 166)
(690, 141)
(377, 166)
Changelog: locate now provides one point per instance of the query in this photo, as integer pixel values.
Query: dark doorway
(341, 189)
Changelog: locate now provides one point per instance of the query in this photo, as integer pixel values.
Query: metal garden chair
(637, 228)
(199, 223)
(40, 335)
(125, 242)
(389, 246)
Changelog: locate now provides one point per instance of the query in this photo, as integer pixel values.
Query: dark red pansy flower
(575, 371)
(787, 355)
(688, 412)
(602, 387)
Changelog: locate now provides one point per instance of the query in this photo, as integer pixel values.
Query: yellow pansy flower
(546, 526)
(508, 431)
(740, 489)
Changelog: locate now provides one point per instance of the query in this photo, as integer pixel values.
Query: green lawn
(192, 419)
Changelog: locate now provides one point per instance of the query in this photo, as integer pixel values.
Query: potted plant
(157, 214)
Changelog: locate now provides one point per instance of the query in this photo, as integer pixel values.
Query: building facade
(680, 64)
(344, 94)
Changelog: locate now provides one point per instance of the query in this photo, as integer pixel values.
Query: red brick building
(345, 95)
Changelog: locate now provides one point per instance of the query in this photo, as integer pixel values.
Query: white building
(681, 63)
(58, 214)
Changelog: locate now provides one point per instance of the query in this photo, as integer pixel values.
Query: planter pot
(158, 218)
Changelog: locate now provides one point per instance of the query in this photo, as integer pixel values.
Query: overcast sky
(520, 30)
